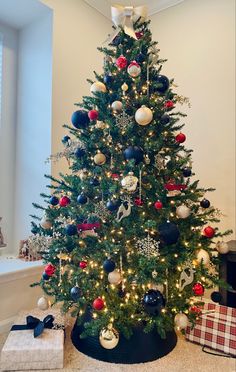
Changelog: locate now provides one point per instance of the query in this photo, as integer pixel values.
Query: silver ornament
(183, 211)
(148, 247)
(109, 337)
(124, 210)
(123, 120)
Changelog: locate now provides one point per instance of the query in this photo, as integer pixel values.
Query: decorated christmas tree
(130, 232)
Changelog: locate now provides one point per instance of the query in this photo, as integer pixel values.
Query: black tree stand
(141, 347)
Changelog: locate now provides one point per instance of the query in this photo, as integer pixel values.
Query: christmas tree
(130, 234)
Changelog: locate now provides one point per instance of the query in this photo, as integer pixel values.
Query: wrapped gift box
(24, 352)
(216, 328)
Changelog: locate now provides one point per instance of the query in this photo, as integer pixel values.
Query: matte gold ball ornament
(183, 211)
(109, 337)
(114, 277)
(124, 87)
(143, 115)
(203, 256)
(99, 159)
(97, 87)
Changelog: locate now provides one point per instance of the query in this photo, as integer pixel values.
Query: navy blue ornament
(187, 172)
(79, 152)
(45, 276)
(108, 79)
(153, 302)
(163, 84)
(82, 199)
(53, 200)
(205, 203)
(165, 119)
(140, 58)
(116, 41)
(71, 230)
(134, 152)
(112, 205)
(169, 232)
(75, 293)
(80, 119)
(109, 265)
(65, 140)
(121, 293)
(94, 182)
(216, 297)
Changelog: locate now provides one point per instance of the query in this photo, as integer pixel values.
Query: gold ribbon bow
(124, 17)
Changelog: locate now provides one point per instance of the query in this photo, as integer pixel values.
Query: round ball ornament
(138, 202)
(187, 172)
(98, 304)
(109, 337)
(64, 201)
(71, 230)
(112, 205)
(99, 159)
(80, 119)
(134, 69)
(94, 182)
(134, 152)
(183, 211)
(209, 232)
(121, 62)
(153, 302)
(162, 84)
(43, 303)
(79, 152)
(75, 293)
(165, 119)
(83, 265)
(45, 276)
(158, 204)
(109, 265)
(169, 232)
(198, 289)
(169, 104)
(98, 87)
(65, 140)
(222, 247)
(130, 182)
(49, 269)
(53, 200)
(93, 115)
(204, 203)
(82, 199)
(140, 58)
(181, 321)
(124, 87)
(143, 115)
(108, 79)
(203, 256)
(180, 138)
(216, 297)
(117, 106)
(114, 277)
(45, 223)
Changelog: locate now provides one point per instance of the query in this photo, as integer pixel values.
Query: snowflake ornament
(101, 211)
(159, 162)
(148, 247)
(123, 120)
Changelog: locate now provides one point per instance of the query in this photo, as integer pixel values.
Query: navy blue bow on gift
(36, 324)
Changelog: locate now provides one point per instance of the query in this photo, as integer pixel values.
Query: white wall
(198, 38)
(7, 130)
(33, 119)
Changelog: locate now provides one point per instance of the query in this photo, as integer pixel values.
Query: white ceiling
(154, 6)
(18, 13)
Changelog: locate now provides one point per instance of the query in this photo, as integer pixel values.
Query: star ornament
(148, 247)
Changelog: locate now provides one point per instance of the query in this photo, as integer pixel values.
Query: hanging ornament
(45, 276)
(43, 303)
(130, 182)
(123, 120)
(181, 321)
(169, 232)
(159, 161)
(153, 302)
(75, 293)
(121, 62)
(162, 83)
(134, 69)
(109, 265)
(80, 119)
(83, 265)
(93, 114)
(158, 204)
(143, 115)
(100, 210)
(71, 230)
(124, 87)
(99, 159)
(138, 201)
(134, 153)
(79, 152)
(45, 223)
(114, 277)
(204, 203)
(49, 269)
(98, 304)
(100, 125)
(157, 287)
(112, 205)
(82, 174)
(148, 247)
(154, 274)
(165, 119)
(98, 87)
(198, 289)
(186, 276)
(124, 210)
(139, 34)
(209, 232)
(109, 337)
(183, 211)
(82, 199)
(180, 138)
(216, 297)
(53, 200)
(187, 172)
(64, 201)
(94, 182)
(108, 79)
(203, 257)
(195, 310)
(222, 247)
(66, 140)
(140, 58)
(117, 106)
(147, 160)
(169, 104)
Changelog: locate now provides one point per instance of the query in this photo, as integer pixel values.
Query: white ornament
(181, 321)
(109, 337)
(222, 247)
(203, 256)
(130, 182)
(186, 276)
(124, 210)
(134, 69)
(148, 246)
(183, 211)
(117, 106)
(114, 277)
(43, 303)
(98, 86)
(143, 115)
(45, 223)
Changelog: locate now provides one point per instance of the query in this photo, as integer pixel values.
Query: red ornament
(198, 289)
(115, 176)
(83, 264)
(139, 34)
(88, 226)
(98, 304)
(138, 202)
(173, 186)
(169, 104)
(64, 201)
(93, 114)
(121, 62)
(158, 204)
(49, 269)
(196, 310)
(209, 232)
(180, 137)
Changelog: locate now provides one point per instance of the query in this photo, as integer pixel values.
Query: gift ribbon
(36, 324)
(124, 17)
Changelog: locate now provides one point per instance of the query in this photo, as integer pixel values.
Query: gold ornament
(222, 247)
(203, 256)
(45, 223)
(124, 87)
(99, 159)
(43, 303)
(109, 337)
(130, 182)
(114, 277)
(98, 86)
(143, 115)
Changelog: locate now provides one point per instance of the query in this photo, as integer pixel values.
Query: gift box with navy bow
(36, 341)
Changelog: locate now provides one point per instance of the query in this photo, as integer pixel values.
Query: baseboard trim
(5, 324)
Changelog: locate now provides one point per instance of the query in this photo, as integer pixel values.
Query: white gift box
(24, 352)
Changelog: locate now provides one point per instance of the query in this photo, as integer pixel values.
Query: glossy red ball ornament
(180, 137)
(158, 204)
(93, 114)
(209, 232)
(83, 264)
(198, 289)
(49, 269)
(169, 104)
(121, 62)
(64, 201)
(98, 304)
(115, 176)
(139, 34)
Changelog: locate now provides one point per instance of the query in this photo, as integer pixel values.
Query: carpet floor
(186, 357)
